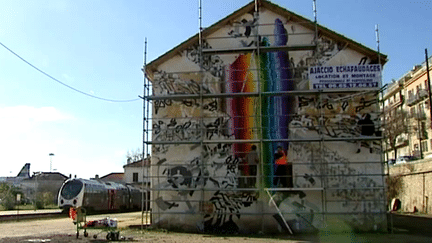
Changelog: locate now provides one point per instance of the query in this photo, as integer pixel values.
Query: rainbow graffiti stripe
(276, 111)
(241, 109)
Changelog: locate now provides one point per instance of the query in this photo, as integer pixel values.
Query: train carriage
(95, 195)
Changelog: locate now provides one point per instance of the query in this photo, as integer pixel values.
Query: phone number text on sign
(342, 77)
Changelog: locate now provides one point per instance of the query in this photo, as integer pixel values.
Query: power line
(60, 82)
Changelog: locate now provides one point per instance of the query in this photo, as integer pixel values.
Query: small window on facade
(135, 177)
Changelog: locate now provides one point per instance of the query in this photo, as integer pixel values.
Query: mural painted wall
(204, 181)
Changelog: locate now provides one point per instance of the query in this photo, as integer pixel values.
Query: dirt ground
(62, 230)
(147, 237)
(173, 237)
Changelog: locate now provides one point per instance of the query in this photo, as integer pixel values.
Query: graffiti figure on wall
(244, 29)
(367, 129)
(227, 206)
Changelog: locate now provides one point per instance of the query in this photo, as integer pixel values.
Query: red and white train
(95, 195)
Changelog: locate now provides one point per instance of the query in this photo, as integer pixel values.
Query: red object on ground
(72, 213)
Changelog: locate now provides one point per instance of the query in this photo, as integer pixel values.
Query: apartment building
(407, 119)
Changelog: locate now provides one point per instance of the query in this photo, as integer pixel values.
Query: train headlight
(74, 201)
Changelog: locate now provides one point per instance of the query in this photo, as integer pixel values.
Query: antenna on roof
(377, 37)
(315, 11)
(315, 21)
(378, 42)
(200, 22)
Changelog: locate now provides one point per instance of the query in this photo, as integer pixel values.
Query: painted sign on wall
(346, 76)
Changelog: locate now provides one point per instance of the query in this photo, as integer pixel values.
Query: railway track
(29, 214)
(39, 214)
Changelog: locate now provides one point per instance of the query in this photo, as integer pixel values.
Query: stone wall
(416, 179)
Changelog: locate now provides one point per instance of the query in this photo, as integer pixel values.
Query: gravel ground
(172, 237)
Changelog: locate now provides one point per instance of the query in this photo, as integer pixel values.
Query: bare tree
(134, 156)
(394, 187)
(395, 125)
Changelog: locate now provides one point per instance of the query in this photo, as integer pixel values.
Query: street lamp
(51, 155)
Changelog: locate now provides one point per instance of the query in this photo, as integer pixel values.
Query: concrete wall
(196, 187)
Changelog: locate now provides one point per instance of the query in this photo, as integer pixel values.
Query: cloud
(22, 118)
(28, 133)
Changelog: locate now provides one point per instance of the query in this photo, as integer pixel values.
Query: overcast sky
(97, 47)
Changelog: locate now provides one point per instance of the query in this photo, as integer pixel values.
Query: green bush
(8, 202)
(43, 199)
(8, 196)
(38, 204)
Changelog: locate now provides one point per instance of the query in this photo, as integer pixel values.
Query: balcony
(414, 99)
(422, 94)
(393, 88)
(411, 100)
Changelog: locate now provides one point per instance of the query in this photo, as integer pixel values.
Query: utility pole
(429, 86)
(420, 131)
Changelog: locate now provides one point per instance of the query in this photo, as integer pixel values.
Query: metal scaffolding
(200, 133)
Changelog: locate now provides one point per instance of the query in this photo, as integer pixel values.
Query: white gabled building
(137, 172)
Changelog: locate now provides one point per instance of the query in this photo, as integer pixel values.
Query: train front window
(71, 189)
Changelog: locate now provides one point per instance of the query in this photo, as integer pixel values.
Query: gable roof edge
(152, 66)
